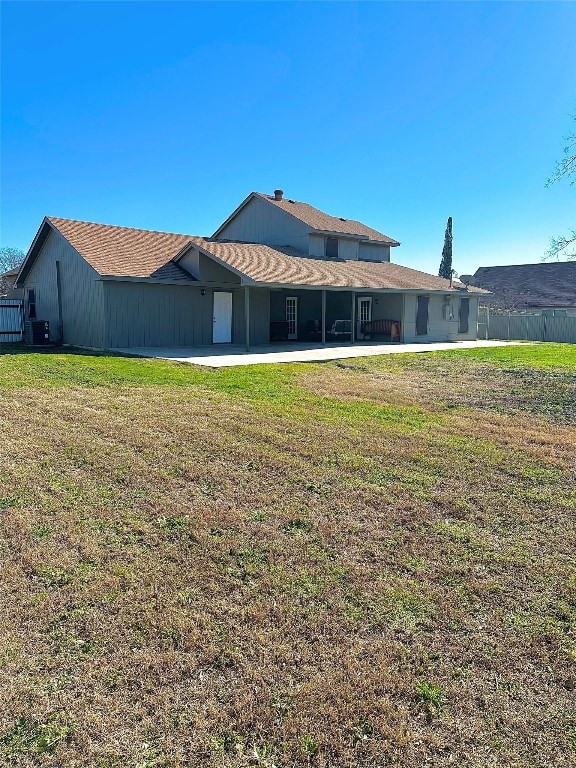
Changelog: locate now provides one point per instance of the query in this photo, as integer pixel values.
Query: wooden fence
(11, 320)
(519, 327)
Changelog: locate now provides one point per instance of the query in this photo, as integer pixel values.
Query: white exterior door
(364, 315)
(222, 325)
(292, 316)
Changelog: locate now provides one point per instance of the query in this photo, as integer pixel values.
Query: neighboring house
(7, 282)
(545, 288)
(275, 270)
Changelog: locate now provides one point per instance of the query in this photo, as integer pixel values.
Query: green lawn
(359, 563)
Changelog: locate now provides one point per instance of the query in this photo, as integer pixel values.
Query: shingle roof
(283, 265)
(123, 251)
(324, 222)
(530, 285)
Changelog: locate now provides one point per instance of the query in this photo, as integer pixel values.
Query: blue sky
(166, 115)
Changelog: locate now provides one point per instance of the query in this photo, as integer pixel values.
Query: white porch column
(247, 317)
(323, 317)
(353, 324)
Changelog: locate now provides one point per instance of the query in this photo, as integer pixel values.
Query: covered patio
(302, 314)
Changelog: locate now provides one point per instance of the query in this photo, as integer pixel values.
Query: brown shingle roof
(267, 264)
(530, 285)
(126, 252)
(123, 251)
(326, 223)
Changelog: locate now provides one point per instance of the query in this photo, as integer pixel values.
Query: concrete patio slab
(230, 355)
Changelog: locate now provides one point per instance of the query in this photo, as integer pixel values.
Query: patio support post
(353, 323)
(247, 317)
(323, 317)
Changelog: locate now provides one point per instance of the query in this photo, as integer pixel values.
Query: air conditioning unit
(40, 332)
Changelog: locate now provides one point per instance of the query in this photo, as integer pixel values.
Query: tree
(446, 263)
(10, 258)
(564, 245)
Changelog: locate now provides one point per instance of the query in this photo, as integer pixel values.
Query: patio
(228, 355)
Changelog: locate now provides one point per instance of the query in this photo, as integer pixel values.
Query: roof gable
(116, 251)
(315, 219)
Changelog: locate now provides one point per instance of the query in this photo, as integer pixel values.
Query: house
(276, 269)
(545, 288)
(7, 283)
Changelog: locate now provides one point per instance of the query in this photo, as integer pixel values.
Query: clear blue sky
(166, 115)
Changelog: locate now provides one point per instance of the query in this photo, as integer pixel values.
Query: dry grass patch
(205, 573)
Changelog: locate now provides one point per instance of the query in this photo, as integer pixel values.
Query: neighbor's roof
(125, 252)
(533, 285)
(317, 219)
(286, 266)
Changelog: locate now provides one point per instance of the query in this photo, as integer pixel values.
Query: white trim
(292, 317)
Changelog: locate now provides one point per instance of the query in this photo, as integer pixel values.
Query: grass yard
(362, 563)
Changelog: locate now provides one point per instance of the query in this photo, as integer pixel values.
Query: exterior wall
(316, 246)
(154, 315)
(309, 306)
(82, 321)
(386, 306)
(373, 252)
(261, 222)
(212, 272)
(439, 328)
(259, 317)
(347, 249)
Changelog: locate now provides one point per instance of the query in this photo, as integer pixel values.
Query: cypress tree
(446, 263)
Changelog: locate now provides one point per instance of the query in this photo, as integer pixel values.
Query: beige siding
(81, 294)
(261, 222)
(372, 252)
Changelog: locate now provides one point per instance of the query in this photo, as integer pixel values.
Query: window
(422, 316)
(31, 304)
(463, 316)
(331, 247)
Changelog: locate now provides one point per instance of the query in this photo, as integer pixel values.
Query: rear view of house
(275, 270)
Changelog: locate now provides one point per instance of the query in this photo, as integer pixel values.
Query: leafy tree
(564, 245)
(10, 258)
(446, 263)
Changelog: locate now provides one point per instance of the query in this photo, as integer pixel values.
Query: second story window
(31, 304)
(331, 247)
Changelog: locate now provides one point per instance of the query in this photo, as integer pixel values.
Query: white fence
(11, 320)
(521, 327)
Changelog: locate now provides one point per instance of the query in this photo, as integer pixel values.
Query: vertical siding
(387, 306)
(261, 222)
(153, 315)
(317, 246)
(81, 294)
(373, 252)
(212, 272)
(347, 249)
(439, 329)
(259, 317)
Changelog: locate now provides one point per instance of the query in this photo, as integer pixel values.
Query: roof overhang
(43, 231)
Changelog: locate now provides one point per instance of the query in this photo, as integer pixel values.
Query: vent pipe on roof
(278, 194)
